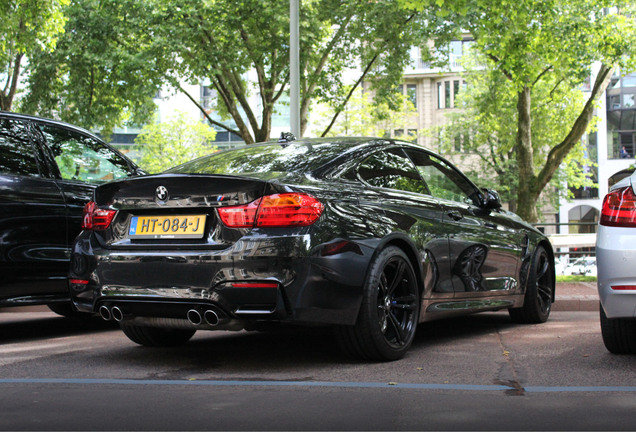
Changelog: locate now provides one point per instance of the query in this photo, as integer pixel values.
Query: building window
(629, 81)
(412, 133)
(411, 93)
(455, 92)
(208, 95)
(440, 96)
(447, 94)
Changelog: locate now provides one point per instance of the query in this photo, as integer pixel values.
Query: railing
(570, 248)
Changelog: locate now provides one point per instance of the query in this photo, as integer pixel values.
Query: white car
(616, 267)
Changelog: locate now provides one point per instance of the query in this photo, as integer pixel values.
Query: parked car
(583, 266)
(48, 171)
(370, 236)
(616, 262)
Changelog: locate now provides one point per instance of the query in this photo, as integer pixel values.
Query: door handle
(455, 215)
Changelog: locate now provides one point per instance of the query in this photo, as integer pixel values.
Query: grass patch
(576, 278)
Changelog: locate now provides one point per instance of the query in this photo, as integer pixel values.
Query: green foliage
(178, 140)
(575, 278)
(25, 26)
(544, 50)
(103, 72)
(486, 130)
(221, 41)
(366, 116)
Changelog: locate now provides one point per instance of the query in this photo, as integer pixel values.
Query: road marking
(394, 385)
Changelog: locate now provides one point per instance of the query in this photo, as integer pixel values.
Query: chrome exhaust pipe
(118, 314)
(104, 312)
(211, 317)
(194, 316)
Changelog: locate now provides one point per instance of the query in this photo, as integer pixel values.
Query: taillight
(619, 208)
(96, 218)
(279, 210)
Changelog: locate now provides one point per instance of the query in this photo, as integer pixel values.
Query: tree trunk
(526, 193)
(7, 96)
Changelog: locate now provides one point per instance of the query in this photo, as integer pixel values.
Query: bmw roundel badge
(161, 193)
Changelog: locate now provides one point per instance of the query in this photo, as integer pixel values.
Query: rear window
(270, 159)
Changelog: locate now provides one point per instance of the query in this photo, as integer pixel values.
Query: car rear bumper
(258, 278)
(616, 264)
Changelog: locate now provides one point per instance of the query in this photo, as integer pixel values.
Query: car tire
(619, 334)
(156, 336)
(537, 302)
(389, 312)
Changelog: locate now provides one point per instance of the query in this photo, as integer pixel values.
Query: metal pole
(294, 68)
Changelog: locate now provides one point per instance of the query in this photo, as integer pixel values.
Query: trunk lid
(175, 209)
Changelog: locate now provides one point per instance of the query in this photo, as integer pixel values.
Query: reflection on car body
(370, 236)
(48, 171)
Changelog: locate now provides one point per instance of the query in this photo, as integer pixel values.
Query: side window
(443, 180)
(391, 169)
(83, 158)
(17, 155)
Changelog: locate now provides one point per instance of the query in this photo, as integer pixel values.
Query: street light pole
(294, 67)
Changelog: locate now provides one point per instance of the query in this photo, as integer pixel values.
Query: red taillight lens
(240, 216)
(624, 287)
(96, 218)
(619, 208)
(279, 210)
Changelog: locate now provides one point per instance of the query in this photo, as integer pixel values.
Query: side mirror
(490, 199)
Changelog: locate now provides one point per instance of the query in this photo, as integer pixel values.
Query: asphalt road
(476, 373)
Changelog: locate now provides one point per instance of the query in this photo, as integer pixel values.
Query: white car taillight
(619, 208)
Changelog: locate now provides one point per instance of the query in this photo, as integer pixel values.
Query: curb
(576, 297)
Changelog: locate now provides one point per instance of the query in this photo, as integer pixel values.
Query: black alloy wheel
(537, 302)
(389, 312)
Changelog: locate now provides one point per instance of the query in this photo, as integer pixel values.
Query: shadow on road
(288, 349)
(18, 327)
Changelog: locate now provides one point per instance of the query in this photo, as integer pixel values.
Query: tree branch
(205, 113)
(559, 152)
(543, 72)
(341, 108)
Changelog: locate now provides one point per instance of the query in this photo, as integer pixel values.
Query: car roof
(19, 116)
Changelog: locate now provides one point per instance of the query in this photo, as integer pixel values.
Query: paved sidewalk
(576, 296)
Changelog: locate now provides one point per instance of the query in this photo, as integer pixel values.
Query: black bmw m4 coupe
(369, 236)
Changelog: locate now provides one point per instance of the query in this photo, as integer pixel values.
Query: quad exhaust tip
(111, 313)
(118, 314)
(194, 316)
(105, 313)
(209, 316)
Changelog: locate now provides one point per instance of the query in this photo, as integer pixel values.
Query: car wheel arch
(410, 249)
(547, 246)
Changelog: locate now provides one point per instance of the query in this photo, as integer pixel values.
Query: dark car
(369, 236)
(48, 171)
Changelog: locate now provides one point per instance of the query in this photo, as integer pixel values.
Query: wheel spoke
(406, 302)
(383, 286)
(544, 291)
(400, 333)
(545, 265)
(397, 277)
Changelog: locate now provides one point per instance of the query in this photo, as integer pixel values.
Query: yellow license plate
(167, 227)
